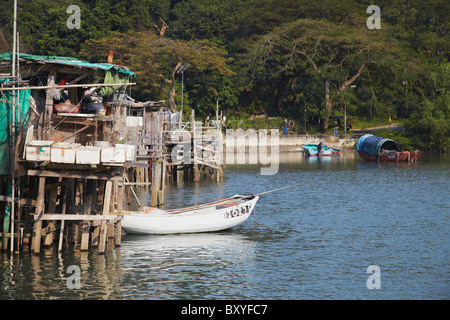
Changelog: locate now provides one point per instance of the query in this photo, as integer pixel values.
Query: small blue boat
(314, 150)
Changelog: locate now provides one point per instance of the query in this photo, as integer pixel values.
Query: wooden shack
(81, 147)
(66, 170)
(174, 146)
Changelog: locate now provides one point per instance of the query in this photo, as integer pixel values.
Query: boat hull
(405, 156)
(374, 148)
(206, 218)
(311, 150)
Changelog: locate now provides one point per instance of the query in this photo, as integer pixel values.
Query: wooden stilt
(85, 235)
(104, 226)
(6, 219)
(100, 195)
(87, 202)
(40, 206)
(70, 202)
(128, 187)
(102, 239)
(63, 201)
(112, 208)
(146, 176)
(163, 181)
(196, 173)
(155, 184)
(51, 208)
(76, 228)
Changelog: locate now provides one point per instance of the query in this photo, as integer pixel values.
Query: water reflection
(45, 276)
(311, 242)
(185, 266)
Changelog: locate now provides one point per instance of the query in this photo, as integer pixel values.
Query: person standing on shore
(285, 127)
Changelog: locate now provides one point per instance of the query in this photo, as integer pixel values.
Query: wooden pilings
(85, 207)
(158, 182)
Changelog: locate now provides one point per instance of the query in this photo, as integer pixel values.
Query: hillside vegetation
(311, 61)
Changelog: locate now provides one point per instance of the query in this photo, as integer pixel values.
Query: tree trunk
(328, 102)
(328, 105)
(171, 94)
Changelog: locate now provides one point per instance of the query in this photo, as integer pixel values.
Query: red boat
(374, 148)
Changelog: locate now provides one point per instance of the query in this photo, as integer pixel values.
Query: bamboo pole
(270, 191)
(132, 190)
(13, 129)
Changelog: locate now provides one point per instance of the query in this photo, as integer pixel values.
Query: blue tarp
(372, 145)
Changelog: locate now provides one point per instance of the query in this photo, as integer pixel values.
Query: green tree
(336, 54)
(157, 59)
(429, 124)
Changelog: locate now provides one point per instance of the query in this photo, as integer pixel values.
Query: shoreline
(251, 140)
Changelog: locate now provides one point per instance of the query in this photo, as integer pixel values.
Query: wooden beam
(78, 217)
(73, 134)
(70, 174)
(84, 75)
(27, 202)
(134, 193)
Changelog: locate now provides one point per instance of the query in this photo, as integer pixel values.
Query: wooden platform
(97, 200)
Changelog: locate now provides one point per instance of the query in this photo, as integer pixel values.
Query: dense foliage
(312, 61)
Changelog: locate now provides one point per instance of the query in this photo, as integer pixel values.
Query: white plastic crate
(88, 155)
(130, 151)
(113, 155)
(135, 121)
(64, 152)
(38, 150)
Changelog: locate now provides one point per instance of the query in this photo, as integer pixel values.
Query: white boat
(214, 216)
(312, 150)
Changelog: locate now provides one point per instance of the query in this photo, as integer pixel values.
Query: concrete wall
(252, 139)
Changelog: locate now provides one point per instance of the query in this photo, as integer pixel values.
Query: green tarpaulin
(21, 120)
(111, 77)
(68, 61)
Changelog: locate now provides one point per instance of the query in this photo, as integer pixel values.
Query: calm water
(313, 241)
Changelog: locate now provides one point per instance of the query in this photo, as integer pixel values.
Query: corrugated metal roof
(70, 61)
